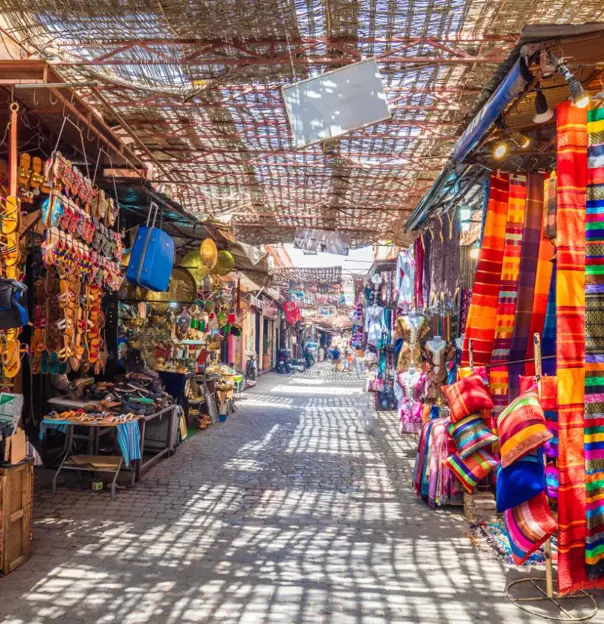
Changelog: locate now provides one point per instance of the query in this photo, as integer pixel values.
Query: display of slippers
(10, 213)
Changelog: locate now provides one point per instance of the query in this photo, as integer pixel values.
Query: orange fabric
(482, 315)
(570, 343)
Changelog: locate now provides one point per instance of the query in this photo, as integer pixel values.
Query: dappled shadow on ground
(289, 512)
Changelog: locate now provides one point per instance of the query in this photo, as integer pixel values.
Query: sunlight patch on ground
(326, 390)
(283, 404)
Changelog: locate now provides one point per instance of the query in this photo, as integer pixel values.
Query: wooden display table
(114, 464)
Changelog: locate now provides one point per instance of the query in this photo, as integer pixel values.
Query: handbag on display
(13, 305)
(152, 256)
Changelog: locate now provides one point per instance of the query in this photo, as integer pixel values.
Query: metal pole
(13, 151)
(547, 547)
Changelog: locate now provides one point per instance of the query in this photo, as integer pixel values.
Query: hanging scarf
(594, 347)
(450, 266)
(508, 292)
(427, 243)
(549, 214)
(543, 281)
(526, 280)
(548, 338)
(570, 343)
(419, 272)
(480, 324)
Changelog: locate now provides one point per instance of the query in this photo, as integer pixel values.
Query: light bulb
(583, 101)
(475, 253)
(501, 150)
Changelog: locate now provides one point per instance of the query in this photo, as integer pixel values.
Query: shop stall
(516, 305)
(118, 308)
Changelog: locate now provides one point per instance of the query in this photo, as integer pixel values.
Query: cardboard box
(15, 449)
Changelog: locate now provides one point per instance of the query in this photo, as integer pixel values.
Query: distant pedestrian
(335, 356)
(350, 359)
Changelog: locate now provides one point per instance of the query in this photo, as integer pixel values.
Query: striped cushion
(472, 469)
(528, 525)
(521, 427)
(471, 434)
(468, 396)
(520, 482)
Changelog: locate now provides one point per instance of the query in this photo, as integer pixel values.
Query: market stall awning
(506, 111)
(195, 91)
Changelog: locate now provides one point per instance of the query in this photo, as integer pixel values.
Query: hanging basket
(208, 253)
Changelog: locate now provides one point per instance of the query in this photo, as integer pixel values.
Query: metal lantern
(208, 253)
(225, 263)
(192, 262)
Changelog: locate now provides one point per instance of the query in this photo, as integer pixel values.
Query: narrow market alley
(291, 511)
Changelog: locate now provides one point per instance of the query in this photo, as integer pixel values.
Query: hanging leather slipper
(10, 213)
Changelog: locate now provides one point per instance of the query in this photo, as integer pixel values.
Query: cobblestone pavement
(289, 512)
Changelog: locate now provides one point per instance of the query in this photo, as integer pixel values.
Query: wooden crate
(16, 497)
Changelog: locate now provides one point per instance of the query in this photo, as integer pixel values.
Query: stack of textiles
(433, 480)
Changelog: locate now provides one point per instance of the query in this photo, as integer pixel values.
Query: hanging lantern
(125, 258)
(208, 253)
(225, 263)
(221, 318)
(210, 305)
(192, 262)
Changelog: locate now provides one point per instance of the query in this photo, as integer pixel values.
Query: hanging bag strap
(153, 210)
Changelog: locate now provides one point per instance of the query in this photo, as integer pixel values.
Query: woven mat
(491, 538)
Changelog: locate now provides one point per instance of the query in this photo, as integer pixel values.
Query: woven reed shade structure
(322, 277)
(194, 88)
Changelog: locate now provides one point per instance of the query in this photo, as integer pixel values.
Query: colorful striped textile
(129, 439)
(529, 258)
(482, 315)
(45, 425)
(548, 349)
(467, 396)
(521, 428)
(543, 281)
(570, 343)
(473, 469)
(594, 346)
(548, 337)
(528, 526)
(471, 434)
(508, 292)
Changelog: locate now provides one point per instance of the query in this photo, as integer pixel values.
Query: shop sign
(255, 302)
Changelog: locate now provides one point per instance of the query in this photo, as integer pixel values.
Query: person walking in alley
(336, 359)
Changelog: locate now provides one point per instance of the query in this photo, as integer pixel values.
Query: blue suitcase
(152, 256)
